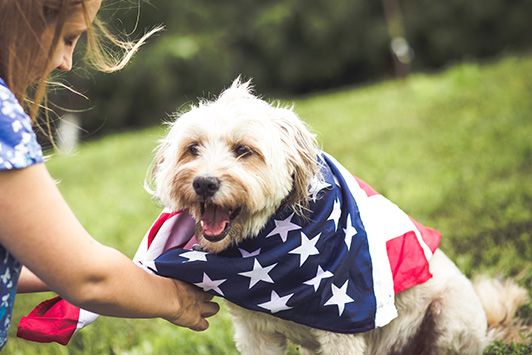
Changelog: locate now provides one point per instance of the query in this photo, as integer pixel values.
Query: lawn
(453, 149)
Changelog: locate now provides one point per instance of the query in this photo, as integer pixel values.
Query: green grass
(453, 149)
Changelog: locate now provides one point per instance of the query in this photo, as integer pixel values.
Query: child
(37, 228)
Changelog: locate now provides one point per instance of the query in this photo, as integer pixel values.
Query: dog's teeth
(202, 224)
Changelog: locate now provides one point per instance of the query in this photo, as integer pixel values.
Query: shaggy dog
(233, 162)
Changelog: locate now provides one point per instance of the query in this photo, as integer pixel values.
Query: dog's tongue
(214, 219)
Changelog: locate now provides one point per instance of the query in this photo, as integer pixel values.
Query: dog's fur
(240, 158)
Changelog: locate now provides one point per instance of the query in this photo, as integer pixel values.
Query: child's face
(74, 27)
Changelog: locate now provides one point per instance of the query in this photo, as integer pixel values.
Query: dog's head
(232, 163)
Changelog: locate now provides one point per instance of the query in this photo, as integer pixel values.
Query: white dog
(233, 163)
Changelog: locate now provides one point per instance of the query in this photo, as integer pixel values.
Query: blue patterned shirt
(18, 149)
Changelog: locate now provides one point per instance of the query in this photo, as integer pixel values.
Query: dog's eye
(242, 151)
(193, 149)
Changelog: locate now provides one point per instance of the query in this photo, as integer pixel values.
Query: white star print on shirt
(17, 126)
(258, 273)
(283, 227)
(306, 249)
(339, 297)
(207, 284)
(276, 303)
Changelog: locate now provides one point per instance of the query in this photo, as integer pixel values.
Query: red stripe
(54, 320)
(430, 236)
(407, 261)
(367, 189)
(158, 224)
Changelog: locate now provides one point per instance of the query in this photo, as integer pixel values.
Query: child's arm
(29, 282)
(38, 228)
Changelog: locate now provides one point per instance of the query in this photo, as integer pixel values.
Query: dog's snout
(206, 186)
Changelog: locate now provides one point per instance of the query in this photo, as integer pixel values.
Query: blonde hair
(22, 23)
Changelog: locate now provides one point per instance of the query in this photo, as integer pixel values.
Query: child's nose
(66, 63)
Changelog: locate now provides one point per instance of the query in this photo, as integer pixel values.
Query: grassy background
(453, 149)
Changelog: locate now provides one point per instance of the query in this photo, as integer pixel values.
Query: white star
(207, 284)
(283, 227)
(258, 273)
(307, 248)
(335, 213)
(316, 185)
(250, 254)
(320, 275)
(276, 304)
(194, 255)
(339, 297)
(336, 181)
(350, 232)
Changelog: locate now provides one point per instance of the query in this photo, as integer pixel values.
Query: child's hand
(194, 305)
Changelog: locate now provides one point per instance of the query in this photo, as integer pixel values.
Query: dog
(235, 161)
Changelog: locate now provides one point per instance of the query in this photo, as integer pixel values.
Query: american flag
(336, 269)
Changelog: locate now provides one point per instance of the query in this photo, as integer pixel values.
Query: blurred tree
(288, 47)
(401, 52)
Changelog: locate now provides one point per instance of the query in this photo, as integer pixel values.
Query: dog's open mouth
(216, 221)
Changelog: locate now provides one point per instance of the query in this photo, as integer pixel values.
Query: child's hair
(22, 23)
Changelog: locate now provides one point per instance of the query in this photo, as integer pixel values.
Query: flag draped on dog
(336, 269)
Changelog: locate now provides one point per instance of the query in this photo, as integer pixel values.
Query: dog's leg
(459, 317)
(252, 341)
(340, 344)
(442, 316)
(255, 334)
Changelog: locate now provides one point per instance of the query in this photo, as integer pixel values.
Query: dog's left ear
(301, 148)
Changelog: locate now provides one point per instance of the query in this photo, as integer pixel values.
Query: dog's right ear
(301, 148)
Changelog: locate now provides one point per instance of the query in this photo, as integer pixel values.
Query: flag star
(258, 273)
(335, 213)
(195, 255)
(316, 280)
(339, 297)
(306, 249)
(337, 182)
(350, 232)
(250, 254)
(207, 284)
(283, 227)
(276, 303)
(316, 186)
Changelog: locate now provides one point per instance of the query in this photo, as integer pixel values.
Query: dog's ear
(301, 149)
(149, 181)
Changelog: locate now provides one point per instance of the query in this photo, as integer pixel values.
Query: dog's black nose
(206, 186)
